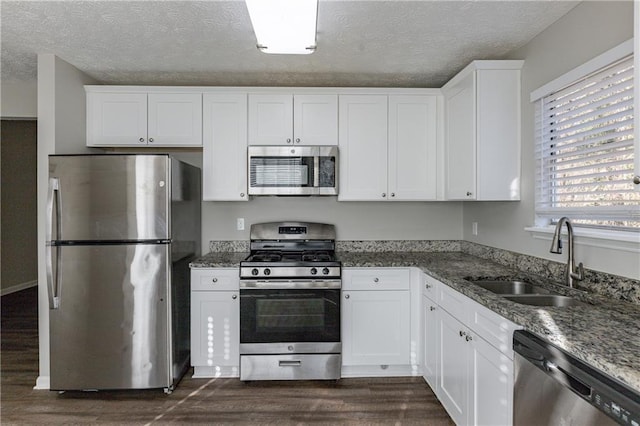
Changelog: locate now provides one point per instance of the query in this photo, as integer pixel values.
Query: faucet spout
(571, 273)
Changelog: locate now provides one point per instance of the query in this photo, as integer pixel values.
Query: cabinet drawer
(429, 287)
(376, 279)
(455, 303)
(493, 328)
(226, 279)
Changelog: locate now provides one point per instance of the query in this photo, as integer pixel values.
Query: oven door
(285, 320)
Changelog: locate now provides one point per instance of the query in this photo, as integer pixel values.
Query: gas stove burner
(265, 257)
(291, 250)
(322, 256)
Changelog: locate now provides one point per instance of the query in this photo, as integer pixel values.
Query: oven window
(277, 316)
(281, 172)
(287, 314)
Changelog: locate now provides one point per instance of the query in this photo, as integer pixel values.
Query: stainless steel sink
(546, 300)
(510, 287)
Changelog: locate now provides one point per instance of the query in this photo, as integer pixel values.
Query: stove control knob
(254, 271)
(314, 271)
(325, 271)
(267, 271)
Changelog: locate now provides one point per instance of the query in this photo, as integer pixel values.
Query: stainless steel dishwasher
(554, 388)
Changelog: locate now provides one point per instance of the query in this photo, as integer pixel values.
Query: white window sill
(616, 240)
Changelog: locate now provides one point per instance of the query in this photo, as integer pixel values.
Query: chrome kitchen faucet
(571, 273)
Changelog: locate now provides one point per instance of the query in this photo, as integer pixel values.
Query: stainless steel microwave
(293, 170)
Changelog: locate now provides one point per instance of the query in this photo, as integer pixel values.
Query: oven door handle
(290, 285)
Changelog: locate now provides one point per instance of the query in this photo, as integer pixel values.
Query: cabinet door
(491, 393)
(412, 148)
(175, 119)
(215, 328)
(376, 328)
(363, 148)
(430, 342)
(454, 368)
(224, 148)
(461, 141)
(498, 135)
(315, 119)
(116, 119)
(270, 119)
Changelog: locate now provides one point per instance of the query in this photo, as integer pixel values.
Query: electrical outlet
(240, 224)
(474, 228)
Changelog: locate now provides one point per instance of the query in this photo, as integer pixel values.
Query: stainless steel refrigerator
(122, 230)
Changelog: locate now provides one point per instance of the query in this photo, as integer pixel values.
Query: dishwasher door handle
(567, 379)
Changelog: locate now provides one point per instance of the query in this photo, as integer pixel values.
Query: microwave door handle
(316, 171)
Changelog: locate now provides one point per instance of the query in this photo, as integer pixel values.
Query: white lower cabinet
(376, 322)
(475, 378)
(454, 368)
(430, 335)
(215, 322)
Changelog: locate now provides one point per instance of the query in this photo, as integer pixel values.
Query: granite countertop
(605, 334)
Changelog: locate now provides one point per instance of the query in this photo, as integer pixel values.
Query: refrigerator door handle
(53, 285)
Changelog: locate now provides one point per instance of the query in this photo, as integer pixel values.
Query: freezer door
(111, 327)
(110, 197)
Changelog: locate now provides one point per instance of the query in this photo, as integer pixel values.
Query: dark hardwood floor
(383, 401)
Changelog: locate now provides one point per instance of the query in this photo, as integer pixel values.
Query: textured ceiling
(360, 43)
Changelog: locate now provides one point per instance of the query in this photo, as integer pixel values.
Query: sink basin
(510, 287)
(545, 300)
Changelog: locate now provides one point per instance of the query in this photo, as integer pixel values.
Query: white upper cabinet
(121, 118)
(174, 119)
(363, 147)
(224, 148)
(388, 147)
(482, 159)
(412, 148)
(116, 119)
(281, 119)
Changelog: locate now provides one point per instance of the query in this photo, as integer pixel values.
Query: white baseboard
(18, 287)
(42, 383)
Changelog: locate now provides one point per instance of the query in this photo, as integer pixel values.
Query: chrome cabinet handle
(215, 280)
(428, 286)
(432, 308)
(393, 194)
(346, 296)
(462, 333)
(469, 194)
(297, 140)
(234, 297)
(141, 139)
(384, 194)
(468, 338)
(242, 195)
(636, 180)
(151, 140)
(288, 140)
(375, 280)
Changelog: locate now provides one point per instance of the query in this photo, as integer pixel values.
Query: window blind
(584, 150)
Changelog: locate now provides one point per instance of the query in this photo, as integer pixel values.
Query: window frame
(543, 223)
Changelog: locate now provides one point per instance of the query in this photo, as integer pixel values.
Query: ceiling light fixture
(284, 26)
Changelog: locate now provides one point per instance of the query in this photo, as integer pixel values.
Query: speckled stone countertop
(220, 259)
(605, 334)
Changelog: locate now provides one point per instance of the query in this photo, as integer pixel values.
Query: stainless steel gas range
(290, 303)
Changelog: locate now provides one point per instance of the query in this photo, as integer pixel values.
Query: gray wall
(353, 220)
(18, 206)
(588, 30)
